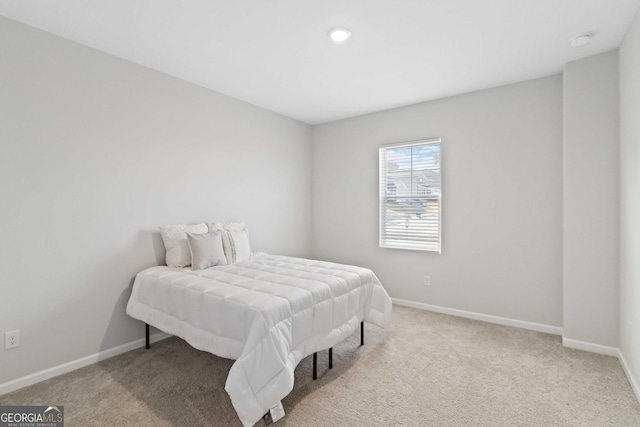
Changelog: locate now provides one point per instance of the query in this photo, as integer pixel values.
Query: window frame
(383, 172)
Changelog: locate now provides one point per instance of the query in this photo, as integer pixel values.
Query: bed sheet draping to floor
(267, 313)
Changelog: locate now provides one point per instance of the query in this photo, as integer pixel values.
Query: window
(410, 195)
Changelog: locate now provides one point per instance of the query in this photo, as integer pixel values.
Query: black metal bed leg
(146, 329)
(315, 366)
(331, 358)
(361, 333)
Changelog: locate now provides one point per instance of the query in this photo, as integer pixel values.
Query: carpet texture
(427, 369)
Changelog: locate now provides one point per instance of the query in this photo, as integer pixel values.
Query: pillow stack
(176, 243)
(205, 245)
(235, 240)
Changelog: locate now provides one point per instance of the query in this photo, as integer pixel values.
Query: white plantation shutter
(410, 195)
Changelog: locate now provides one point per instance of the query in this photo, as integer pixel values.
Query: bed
(266, 312)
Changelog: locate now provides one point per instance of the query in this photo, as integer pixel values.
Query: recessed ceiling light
(580, 40)
(339, 34)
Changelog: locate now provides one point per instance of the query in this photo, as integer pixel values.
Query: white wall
(590, 203)
(630, 201)
(502, 195)
(96, 152)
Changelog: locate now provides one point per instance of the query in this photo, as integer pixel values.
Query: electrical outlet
(12, 339)
(427, 281)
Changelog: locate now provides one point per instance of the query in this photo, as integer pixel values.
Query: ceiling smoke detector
(339, 34)
(580, 40)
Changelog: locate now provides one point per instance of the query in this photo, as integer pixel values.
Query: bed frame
(315, 355)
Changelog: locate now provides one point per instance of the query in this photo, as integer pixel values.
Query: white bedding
(267, 313)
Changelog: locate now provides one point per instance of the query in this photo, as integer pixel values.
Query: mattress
(267, 313)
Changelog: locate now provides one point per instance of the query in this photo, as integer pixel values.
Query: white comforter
(267, 314)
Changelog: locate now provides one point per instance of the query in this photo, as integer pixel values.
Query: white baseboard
(591, 347)
(629, 374)
(554, 330)
(28, 380)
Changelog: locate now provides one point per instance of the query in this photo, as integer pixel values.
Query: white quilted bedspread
(267, 314)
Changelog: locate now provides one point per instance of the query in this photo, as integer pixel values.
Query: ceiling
(276, 53)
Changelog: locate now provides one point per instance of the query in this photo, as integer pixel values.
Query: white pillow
(176, 244)
(206, 250)
(225, 228)
(218, 226)
(240, 248)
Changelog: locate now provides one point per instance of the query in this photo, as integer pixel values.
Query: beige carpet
(427, 369)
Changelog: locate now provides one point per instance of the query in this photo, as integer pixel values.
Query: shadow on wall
(121, 328)
(158, 248)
